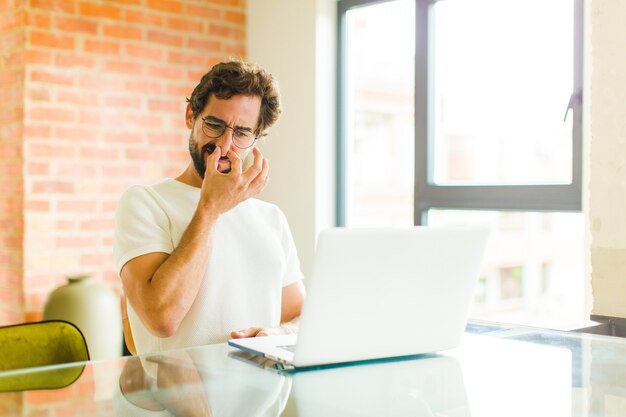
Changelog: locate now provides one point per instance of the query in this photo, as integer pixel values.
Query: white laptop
(381, 293)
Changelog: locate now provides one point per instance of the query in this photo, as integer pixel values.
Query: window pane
(533, 266)
(380, 50)
(503, 76)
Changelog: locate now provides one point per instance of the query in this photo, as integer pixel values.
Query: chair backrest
(38, 344)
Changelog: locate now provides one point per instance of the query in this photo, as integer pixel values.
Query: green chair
(38, 344)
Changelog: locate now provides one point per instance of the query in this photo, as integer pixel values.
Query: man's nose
(226, 140)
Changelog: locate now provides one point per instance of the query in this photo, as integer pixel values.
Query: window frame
(427, 194)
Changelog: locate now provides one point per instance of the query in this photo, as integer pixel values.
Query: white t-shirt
(253, 257)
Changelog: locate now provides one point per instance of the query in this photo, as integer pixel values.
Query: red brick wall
(104, 96)
(11, 183)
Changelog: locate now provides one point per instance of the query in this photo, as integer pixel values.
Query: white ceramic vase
(95, 309)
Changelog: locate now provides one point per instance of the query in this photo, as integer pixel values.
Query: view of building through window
(533, 266)
(379, 112)
(501, 90)
(498, 118)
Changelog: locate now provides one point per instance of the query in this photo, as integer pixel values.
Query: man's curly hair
(230, 78)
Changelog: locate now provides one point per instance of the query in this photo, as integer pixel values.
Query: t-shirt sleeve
(141, 226)
(293, 272)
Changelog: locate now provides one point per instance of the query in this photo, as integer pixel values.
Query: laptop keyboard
(289, 348)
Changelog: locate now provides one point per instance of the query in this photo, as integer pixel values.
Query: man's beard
(197, 155)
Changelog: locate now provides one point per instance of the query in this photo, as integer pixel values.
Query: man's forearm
(173, 287)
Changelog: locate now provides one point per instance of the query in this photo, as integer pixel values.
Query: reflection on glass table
(426, 387)
(198, 382)
(498, 370)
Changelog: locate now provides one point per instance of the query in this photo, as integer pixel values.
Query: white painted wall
(295, 41)
(607, 157)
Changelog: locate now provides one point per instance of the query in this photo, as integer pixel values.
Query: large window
(468, 111)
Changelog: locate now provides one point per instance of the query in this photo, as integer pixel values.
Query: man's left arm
(291, 307)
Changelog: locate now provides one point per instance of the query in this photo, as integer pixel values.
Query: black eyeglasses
(242, 138)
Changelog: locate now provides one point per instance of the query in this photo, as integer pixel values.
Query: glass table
(498, 370)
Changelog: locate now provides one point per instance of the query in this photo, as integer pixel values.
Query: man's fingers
(235, 162)
(256, 167)
(265, 170)
(212, 160)
(234, 186)
(249, 332)
(253, 332)
(261, 180)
